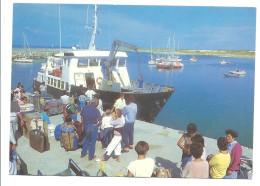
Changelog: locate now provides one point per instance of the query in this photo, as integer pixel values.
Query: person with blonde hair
(71, 109)
(118, 122)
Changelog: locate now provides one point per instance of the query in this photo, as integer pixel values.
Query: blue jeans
(74, 117)
(90, 140)
(43, 93)
(232, 176)
(107, 136)
(128, 135)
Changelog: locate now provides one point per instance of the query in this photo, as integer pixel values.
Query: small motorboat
(223, 62)
(193, 59)
(238, 72)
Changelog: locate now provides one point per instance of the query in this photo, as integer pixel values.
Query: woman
(118, 122)
(186, 138)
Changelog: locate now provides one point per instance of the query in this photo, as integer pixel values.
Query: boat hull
(149, 104)
(23, 60)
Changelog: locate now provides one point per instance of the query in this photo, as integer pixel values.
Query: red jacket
(235, 154)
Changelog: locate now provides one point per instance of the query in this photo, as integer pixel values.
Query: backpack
(69, 137)
(57, 132)
(70, 109)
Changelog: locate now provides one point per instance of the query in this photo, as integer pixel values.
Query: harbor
(171, 90)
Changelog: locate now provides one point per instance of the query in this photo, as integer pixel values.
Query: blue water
(202, 96)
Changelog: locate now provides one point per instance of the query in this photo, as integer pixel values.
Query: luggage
(55, 107)
(34, 121)
(57, 132)
(26, 108)
(80, 132)
(39, 141)
(69, 137)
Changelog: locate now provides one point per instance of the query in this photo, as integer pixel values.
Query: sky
(194, 27)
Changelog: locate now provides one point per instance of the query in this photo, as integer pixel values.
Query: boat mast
(173, 43)
(92, 41)
(60, 27)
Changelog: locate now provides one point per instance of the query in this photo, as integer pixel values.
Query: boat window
(48, 81)
(51, 81)
(58, 84)
(55, 83)
(67, 86)
(62, 85)
(93, 62)
(121, 63)
(83, 62)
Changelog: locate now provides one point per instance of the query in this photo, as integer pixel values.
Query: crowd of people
(114, 128)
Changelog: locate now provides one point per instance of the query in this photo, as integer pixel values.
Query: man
(89, 93)
(130, 114)
(120, 103)
(141, 82)
(235, 151)
(92, 119)
(143, 166)
(43, 88)
(64, 100)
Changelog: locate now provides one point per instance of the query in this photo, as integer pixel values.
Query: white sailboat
(25, 58)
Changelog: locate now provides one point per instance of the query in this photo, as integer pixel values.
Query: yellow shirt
(219, 164)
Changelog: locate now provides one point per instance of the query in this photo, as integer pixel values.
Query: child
(107, 128)
(220, 162)
(143, 166)
(196, 168)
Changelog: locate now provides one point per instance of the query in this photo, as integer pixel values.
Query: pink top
(195, 169)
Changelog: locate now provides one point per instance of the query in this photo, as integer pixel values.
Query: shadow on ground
(167, 164)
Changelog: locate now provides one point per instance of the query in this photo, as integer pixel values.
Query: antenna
(87, 19)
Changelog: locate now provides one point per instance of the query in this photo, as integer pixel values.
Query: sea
(202, 94)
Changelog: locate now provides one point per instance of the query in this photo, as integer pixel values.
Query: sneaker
(98, 160)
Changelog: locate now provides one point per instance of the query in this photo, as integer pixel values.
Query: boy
(142, 167)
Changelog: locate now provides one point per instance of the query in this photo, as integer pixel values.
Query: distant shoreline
(245, 54)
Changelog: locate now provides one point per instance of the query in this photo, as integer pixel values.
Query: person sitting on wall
(143, 166)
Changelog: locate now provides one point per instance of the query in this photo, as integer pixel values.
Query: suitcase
(39, 141)
(55, 107)
(34, 121)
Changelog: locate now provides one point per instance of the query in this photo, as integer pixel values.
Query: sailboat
(24, 59)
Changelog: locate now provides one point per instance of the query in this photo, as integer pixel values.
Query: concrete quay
(162, 142)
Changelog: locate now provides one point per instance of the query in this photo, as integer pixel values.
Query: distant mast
(60, 27)
(92, 45)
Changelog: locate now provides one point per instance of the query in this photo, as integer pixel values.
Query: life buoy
(99, 80)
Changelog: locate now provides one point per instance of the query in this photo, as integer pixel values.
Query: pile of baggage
(70, 135)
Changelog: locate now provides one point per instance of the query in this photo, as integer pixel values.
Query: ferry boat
(106, 71)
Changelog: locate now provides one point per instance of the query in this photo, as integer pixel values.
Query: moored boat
(106, 71)
(223, 62)
(25, 58)
(238, 72)
(193, 59)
